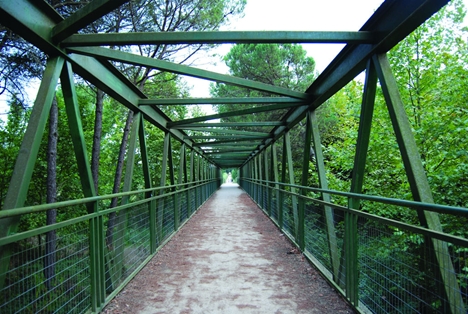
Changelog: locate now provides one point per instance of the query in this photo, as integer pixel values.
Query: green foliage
(429, 66)
(285, 65)
(11, 133)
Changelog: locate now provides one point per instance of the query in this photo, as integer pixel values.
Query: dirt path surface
(229, 258)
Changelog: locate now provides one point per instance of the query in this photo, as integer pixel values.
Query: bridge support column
(96, 245)
(148, 185)
(417, 178)
(351, 240)
(312, 125)
(287, 151)
(274, 169)
(24, 165)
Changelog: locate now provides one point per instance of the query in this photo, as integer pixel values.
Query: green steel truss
(222, 145)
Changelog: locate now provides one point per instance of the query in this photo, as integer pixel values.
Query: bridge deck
(228, 258)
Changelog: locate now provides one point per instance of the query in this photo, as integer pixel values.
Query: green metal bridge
(329, 228)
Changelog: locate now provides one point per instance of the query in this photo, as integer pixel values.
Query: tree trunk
(118, 178)
(96, 150)
(51, 237)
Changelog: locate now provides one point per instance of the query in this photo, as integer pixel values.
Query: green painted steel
(26, 159)
(148, 184)
(323, 183)
(97, 250)
(229, 131)
(77, 266)
(290, 170)
(138, 60)
(76, 131)
(377, 227)
(195, 126)
(83, 17)
(417, 178)
(269, 197)
(218, 37)
(226, 137)
(275, 176)
(105, 269)
(300, 238)
(351, 241)
(180, 180)
(223, 101)
(233, 114)
(392, 22)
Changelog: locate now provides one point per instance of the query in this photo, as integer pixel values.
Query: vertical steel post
(192, 180)
(255, 177)
(148, 185)
(284, 162)
(274, 168)
(160, 209)
(170, 162)
(268, 198)
(322, 176)
(417, 178)
(27, 155)
(201, 171)
(117, 257)
(259, 182)
(304, 182)
(97, 266)
(362, 145)
(292, 181)
(182, 179)
(199, 178)
(250, 176)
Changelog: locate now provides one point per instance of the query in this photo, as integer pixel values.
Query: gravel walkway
(229, 258)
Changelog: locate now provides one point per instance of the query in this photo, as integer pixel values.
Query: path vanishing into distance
(228, 258)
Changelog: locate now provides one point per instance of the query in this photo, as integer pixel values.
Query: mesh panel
(317, 241)
(400, 270)
(288, 215)
(66, 288)
(40, 280)
(400, 273)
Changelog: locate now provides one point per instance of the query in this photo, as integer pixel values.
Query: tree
(11, 133)
(284, 65)
(431, 66)
(51, 236)
(20, 63)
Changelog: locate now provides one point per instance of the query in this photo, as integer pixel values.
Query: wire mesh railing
(91, 260)
(380, 265)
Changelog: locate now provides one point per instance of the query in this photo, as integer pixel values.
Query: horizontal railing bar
(40, 230)
(445, 209)
(44, 207)
(417, 229)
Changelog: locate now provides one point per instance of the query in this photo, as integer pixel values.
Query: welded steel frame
(73, 53)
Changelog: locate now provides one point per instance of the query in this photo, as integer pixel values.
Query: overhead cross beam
(37, 28)
(222, 101)
(391, 23)
(218, 37)
(130, 58)
(83, 17)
